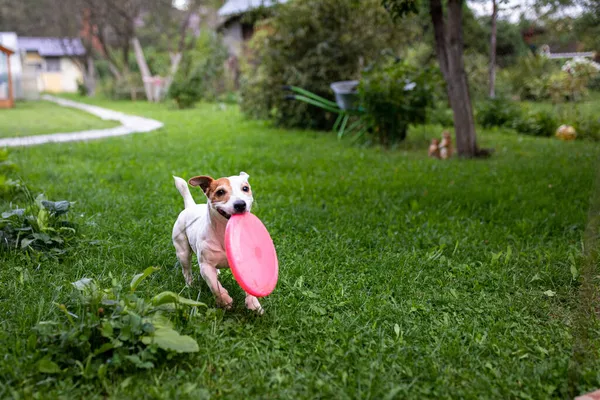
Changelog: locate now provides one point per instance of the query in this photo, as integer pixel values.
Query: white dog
(201, 228)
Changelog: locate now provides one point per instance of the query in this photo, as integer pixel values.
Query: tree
(449, 49)
(493, 49)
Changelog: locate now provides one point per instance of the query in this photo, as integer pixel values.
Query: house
(235, 30)
(7, 98)
(9, 40)
(57, 62)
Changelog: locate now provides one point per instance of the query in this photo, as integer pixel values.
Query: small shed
(7, 98)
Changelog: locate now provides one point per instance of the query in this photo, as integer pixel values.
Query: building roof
(238, 7)
(52, 46)
(6, 50)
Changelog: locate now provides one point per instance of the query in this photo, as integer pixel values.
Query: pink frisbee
(251, 254)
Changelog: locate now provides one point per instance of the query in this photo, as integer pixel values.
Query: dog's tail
(184, 190)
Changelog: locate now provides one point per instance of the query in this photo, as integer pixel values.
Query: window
(53, 64)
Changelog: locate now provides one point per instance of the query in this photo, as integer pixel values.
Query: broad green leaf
(170, 340)
(104, 348)
(107, 329)
(42, 219)
(26, 242)
(47, 366)
(171, 297)
(56, 207)
(139, 278)
(39, 199)
(160, 321)
(82, 284)
(135, 359)
(18, 212)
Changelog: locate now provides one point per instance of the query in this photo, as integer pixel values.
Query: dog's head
(227, 196)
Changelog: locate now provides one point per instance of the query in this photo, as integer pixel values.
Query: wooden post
(11, 98)
(10, 102)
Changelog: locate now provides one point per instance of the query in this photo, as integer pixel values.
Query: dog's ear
(244, 175)
(202, 181)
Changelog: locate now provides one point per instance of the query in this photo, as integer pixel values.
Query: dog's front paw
(188, 278)
(224, 301)
(253, 304)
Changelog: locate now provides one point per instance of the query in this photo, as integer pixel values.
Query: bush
(200, 75)
(530, 76)
(395, 96)
(536, 123)
(105, 330)
(477, 70)
(571, 83)
(440, 114)
(41, 228)
(588, 128)
(497, 112)
(311, 43)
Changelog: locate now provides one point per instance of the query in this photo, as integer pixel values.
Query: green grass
(43, 117)
(400, 276)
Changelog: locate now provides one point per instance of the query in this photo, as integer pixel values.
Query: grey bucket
(346, 94)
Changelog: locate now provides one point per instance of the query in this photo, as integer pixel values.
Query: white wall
(9, 39)
(70, 74)
(232, 38)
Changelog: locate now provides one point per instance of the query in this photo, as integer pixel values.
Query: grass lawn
(43, 117)
(400, 276)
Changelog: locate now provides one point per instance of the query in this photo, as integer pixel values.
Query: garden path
(130, 124)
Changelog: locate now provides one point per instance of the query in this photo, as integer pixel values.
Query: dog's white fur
(201, 228)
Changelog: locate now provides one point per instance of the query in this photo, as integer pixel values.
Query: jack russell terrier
(200, 228)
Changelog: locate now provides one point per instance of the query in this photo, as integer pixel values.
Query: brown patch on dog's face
(203, 181)
(219, 191)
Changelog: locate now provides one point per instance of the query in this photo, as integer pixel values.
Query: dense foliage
(41, 228)
(310, 44)
(104, 330)
(394, 96)
(200, 75)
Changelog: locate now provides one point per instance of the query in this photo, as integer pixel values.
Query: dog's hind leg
(184, 255)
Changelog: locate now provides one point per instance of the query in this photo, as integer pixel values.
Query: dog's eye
(220, 192)
(246, 189)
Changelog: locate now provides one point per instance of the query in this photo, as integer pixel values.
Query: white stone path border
(130, 124)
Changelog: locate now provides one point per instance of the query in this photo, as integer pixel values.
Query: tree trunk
(493, 50)
(145, 71)
(90, 77)
(449, 49)
(175, 61)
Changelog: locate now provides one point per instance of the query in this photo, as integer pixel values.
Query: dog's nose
(239, 206)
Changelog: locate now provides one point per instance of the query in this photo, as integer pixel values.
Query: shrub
(394, 96)
(42, 228)
(440, 114)
(497, 112)
(312, 43)
(477, 70)
(588, 128)
(529, 77)
(571, 83)
(104, 330)
(200, 75)
(536, 123)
